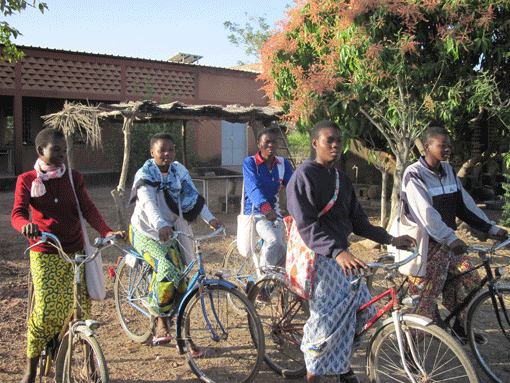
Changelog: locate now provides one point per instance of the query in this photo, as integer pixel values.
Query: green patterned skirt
(165, 258)
(52, 279)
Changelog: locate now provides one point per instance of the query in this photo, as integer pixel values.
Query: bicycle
(405, 347)
(488, 315)
(231, 340)
(88, 365)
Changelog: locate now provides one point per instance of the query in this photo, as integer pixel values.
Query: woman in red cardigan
(46, 194)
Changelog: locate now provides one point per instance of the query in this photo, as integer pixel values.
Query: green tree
(9, 7)
(386, 69)
(252, 36)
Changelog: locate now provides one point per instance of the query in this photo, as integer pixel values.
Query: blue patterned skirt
(328, 339)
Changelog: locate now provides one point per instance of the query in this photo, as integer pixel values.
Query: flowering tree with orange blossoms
(387, 69)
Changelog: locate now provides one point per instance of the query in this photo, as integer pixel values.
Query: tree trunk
(384, 198)
(118, 193)
(395, 192)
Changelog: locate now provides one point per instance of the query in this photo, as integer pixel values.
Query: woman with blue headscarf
(161, 188)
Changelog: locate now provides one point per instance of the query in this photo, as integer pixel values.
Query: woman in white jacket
(432, 199)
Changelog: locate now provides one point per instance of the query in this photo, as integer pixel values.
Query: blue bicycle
(231, 341)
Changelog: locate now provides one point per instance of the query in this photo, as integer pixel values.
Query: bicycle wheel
(87, 363)
(283, 315)
(438, 356)
(236, 353)
(242, 269)
(490, 322)
(130, 291)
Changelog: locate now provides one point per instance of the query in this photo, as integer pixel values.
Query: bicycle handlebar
(200, 237)
(52, 239)
(491, 249)
(396, 265)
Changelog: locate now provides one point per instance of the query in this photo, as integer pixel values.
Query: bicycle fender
(84, 330)
(389, 322)
(184, 302)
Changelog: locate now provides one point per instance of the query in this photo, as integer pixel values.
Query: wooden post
(255, 126)
(183, 137)
(118, 193)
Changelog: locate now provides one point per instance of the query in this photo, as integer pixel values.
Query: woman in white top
(161, 187)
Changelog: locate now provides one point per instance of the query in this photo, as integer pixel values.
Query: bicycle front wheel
(241, 268)
(437, 356)
(86, 363)
(488, 328)
(283, 315)
(130, 291)
(222, 344)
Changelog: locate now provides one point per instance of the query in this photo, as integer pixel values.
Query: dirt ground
(128, 362)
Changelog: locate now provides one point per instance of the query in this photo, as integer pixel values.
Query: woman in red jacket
(47, 195)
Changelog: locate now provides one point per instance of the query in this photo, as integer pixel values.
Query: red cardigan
(59, 218)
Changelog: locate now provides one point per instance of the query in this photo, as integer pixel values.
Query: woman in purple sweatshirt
(329, 332)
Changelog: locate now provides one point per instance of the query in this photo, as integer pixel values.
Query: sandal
(162, 336)
(196, 352)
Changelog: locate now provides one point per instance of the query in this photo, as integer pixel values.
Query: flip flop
(195, 353)
(161, 337)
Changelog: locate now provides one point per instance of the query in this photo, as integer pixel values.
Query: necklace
(54, 195)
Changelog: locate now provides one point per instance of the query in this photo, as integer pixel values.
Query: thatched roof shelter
(148, 110)
(74, 117)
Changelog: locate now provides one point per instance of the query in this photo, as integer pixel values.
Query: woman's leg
(273, 249)
(454, 293)
(431, 285)
(166, 262)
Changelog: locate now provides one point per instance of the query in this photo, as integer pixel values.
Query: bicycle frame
(199, 281)
(490, 280)
(74, 324)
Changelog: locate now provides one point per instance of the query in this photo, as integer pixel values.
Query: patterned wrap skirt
(442, 263)
(52, 278)
(328, 340)
(165, 258)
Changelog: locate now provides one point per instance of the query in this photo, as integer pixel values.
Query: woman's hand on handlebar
(349, 263)
(117, 234)
(500, 235)
(31, 231)
(165, 234)
(215, 223)
(271, 215)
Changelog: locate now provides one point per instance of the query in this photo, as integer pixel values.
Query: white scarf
(44, 172)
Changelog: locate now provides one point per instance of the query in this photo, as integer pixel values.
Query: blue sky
(151, 29)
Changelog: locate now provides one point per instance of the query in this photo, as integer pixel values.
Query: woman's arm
(252, 184)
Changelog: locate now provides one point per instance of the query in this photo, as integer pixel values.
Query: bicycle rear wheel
(283, 315)
(130, 291)
(438, 356)
(86, 364)
(236, 353)
(488, 329)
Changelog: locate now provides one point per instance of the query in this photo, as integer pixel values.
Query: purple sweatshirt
(310, 188)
